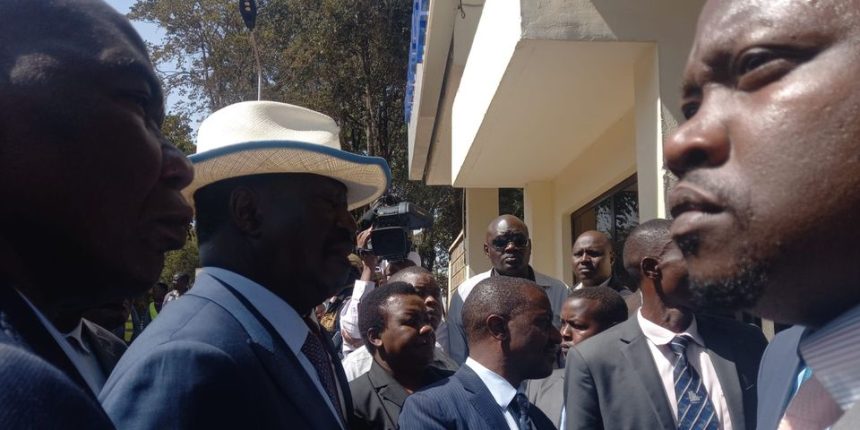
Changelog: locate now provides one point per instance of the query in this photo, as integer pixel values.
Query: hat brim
(366, 178)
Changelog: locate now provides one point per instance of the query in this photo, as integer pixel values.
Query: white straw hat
(252, 138)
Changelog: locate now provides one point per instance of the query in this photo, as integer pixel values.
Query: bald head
(649, 239)
(496, 295)
(508, 246)
(592, 258)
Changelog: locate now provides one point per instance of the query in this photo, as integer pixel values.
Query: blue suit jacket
(461, 401)
(208, 362)
(39, 385)
(777, 376)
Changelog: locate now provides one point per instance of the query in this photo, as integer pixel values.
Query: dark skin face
(83, 159)
(508, 246)
(592, 258)
(294, 237)
(532, 342)
(408, 340)
(579, 321)
(665, 289)
(768, 158)
(432, 296)
(180, 282)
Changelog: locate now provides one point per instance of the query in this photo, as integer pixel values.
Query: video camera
(393, 223)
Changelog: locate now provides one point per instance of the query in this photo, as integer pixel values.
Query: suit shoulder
(361, 387)
(38, 395)
(605, 342)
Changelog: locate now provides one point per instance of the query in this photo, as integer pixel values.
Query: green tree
(345, 58)
(177, 130)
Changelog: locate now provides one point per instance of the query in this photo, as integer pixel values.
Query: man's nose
(702, 141)
(431, 302)
(176, 170)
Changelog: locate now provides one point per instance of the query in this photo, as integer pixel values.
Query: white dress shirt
(90, 367)
(67, 348)
(286, 321)
(349, 313)
(502, 390)
(659, 339)
(833, 353)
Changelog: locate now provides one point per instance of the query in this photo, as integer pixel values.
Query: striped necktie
(519, 407)
(695, 411)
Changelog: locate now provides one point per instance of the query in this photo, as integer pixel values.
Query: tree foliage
(347, 59)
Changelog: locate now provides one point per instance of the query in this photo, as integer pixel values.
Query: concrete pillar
(539, 214)
(482, 205)
(649, 148)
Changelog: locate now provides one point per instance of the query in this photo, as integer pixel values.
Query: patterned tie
(695, 411)
(315, 352)
(519, 407)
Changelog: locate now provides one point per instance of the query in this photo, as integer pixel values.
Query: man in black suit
(665, 368)
(397, 328)
(90, 190)
(508, 323)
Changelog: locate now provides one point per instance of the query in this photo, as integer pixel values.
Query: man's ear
(486, 250)
(650, 268)
(497, 325)
(373, 338)
(612, 258)
(245, 211)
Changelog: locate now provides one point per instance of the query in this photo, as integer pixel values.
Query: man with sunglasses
(509, 248)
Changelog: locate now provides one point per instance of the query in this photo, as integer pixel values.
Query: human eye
(760, 66)
(137, 101)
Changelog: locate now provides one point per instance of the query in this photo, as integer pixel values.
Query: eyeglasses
(501, 242)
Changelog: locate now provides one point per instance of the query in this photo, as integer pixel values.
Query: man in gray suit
(586, 313)
(767, 200)
(665, 367)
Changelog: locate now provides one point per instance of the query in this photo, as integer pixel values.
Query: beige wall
(482, 205)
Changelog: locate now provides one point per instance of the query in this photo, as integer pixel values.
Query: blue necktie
(520, 408)
(695, 411)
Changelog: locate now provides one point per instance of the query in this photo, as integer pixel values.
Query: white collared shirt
(833, 353)
(603, 284)
(89, 367)
(286, 321)
(349, 313)
(659, 339)
(67, 348)
(502, 390)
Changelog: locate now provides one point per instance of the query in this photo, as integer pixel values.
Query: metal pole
(259, 69)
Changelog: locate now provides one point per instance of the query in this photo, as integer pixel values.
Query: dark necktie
(695, 411)
(314, 350)
(519, 407)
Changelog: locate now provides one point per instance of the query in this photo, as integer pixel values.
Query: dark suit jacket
(459, 402)
(105, 345)
(378, 397)
(41, 388)
(611, 381)
(208, 361)
(777, 376)
(547, 394)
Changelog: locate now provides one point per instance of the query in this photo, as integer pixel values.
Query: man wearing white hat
(241, 349)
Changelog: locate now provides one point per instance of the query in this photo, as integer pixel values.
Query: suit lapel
(297, 386)
(480, 398)
(107, 351)
(719, 350)
(639, 358)
(19, 321)
(282, 365)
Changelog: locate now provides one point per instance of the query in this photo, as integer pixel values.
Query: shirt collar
(77, 334)
(286, 321)
(663, 336)
(502, 390)
(531, 274)
(833, 353)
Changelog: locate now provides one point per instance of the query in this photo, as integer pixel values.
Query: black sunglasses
(501, 242)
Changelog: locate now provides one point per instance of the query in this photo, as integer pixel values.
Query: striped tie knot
(679, 344)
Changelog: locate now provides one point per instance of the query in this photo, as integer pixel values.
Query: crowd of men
(768, 168)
